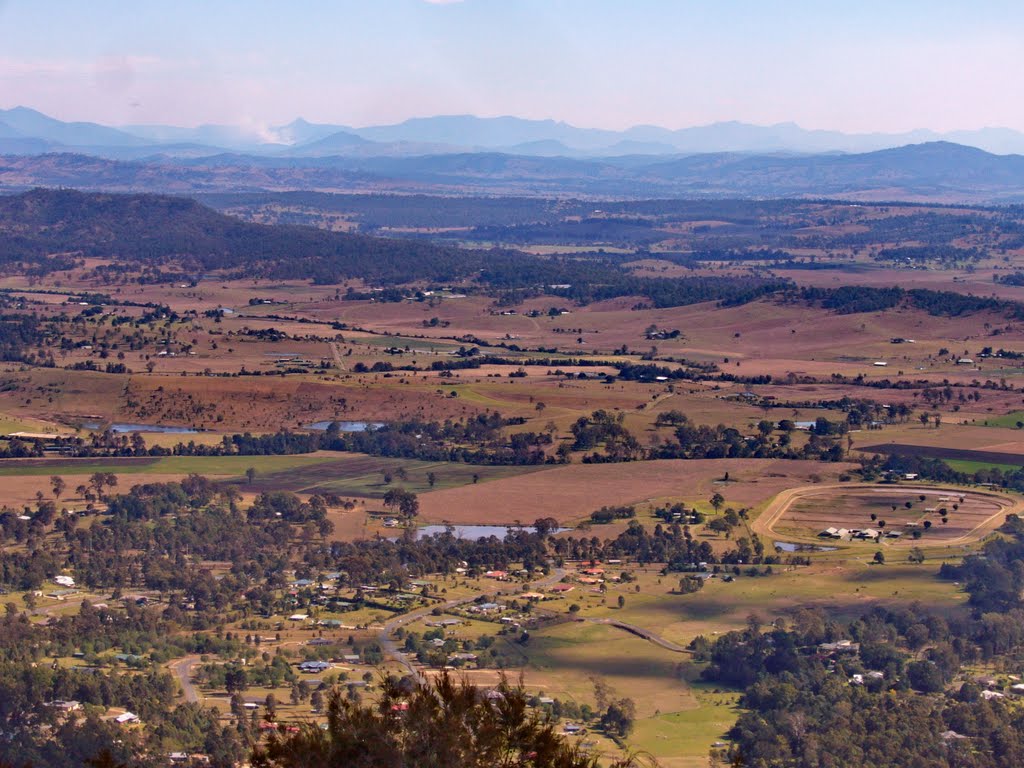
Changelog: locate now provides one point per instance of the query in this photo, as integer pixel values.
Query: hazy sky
(854, 66)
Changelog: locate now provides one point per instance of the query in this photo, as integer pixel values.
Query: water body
(473, 531)
(128, 427)
(346, 426)
(788, 546)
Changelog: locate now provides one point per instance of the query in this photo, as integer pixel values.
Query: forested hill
(43, 230)
(155, 229)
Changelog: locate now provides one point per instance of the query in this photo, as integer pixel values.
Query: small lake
(346, 426)
(788, 546)
(475, 531)
(128, 427)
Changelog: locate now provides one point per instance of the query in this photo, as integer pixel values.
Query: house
(64, 581)
(127, 717)
(867, 533)
(499, 575)
(880, 363)
(319, 641)
(65, 706)
(350, 658)
(561, 588)
(298, 617)
(572, 728)
(314, 666)
(462, 657)
(840, 646)
(965, 361)
(990, 695)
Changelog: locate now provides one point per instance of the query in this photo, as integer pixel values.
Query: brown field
(570, 493)
(801, 513)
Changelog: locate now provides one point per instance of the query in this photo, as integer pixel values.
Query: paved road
(182, 669)
(390, 647)
(646, 634)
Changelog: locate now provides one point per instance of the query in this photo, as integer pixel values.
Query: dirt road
(765, 523)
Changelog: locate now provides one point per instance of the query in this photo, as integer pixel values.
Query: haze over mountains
(24, 130)
(470, 155)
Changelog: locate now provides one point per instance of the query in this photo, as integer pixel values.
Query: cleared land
(570, 493)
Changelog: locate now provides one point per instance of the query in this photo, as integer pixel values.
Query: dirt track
(765, 523)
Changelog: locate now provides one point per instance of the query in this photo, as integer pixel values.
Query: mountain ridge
(447, 134)
(930, 172)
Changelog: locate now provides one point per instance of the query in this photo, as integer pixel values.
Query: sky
(858, 67)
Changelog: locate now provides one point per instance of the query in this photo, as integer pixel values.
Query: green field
(1013, 420)
(973, 466)
(165, 465)
(358, 475)
(342, 473)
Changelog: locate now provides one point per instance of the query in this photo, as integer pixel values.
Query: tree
(235, 679)
(690, 584)
(880, 557)
(250, 475)
(57, 485)
(622, 601)
(717, 501)
(915, 556)
(431, 479)
(446, 722)
(404, 501)
(619, 717)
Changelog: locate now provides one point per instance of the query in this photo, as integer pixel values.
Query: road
(390, 647)
(646, 634)
(182, 669)
(337, 357)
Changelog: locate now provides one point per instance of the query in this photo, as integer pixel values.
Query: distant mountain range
(26, 131)
(931, 172)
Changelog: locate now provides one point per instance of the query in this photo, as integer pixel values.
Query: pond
(128, 427)
(346, 426)
(788, 546)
